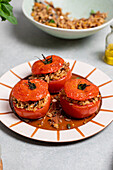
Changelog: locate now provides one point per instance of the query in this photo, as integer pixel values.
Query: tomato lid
(49, 64)
(80, 89)
(30, 90)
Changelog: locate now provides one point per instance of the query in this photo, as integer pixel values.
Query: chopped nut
(55, 125)
(68, 120)
(49, 114)
(47, 78)
(61, 116)
(50, 17)
(70, 103)
(54, 100)
(51, 24)
(85, 121)
(60, 120)
(42, 123)
(27, 120)
(61, 17)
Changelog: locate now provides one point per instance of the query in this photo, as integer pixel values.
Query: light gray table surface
(21, 43)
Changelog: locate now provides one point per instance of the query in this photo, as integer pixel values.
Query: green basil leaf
(7, 8)
(51, 21)
(12, 19)
(6, 12)
(0, 6)
(92, 12)
(2, 14)
(4, 1)
(82, 86)
(4, 9)
(47, 7)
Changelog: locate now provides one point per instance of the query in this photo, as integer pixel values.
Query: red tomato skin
(77, 111)
(40, 68)
(39, 113)
(22, 92)
(72, 91)
(56, 86)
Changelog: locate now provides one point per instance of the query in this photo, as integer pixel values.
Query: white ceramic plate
(97, 124)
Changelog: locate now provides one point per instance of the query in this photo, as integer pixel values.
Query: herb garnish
(51, 21)
(92, 12)
(82, 86)
(68, 126)
(48, 7)
(46, 61)
(6, 11)
(37, 1)
(32, 86)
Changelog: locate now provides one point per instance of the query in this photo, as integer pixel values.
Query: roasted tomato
(56, 85)
(80, 98)
(54, 70)
(31, 98)
(49, 64)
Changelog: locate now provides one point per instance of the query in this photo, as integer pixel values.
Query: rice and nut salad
(45, 13)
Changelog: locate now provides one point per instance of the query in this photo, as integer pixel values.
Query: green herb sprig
(48, 7)
(92, 12)
(32, 86)
(46, 61)
(6, 11)
(82, 86)
(37, 1)
(51, 21)
(68, 126)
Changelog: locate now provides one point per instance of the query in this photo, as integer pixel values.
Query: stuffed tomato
(31, 98)
(80, 98)
(54, 70)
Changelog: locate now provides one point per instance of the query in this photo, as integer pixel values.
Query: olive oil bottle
(108, 58)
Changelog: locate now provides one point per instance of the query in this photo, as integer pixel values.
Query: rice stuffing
(30, 105)
(53, 76)
(81, 103)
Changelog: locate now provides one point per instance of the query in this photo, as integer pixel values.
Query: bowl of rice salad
(69, 19)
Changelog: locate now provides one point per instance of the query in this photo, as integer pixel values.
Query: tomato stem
(32, 86)
(82, 86)
(47, 61)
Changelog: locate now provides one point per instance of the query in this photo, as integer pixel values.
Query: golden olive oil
(109, 54)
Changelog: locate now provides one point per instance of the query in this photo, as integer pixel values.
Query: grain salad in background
(45, 13)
